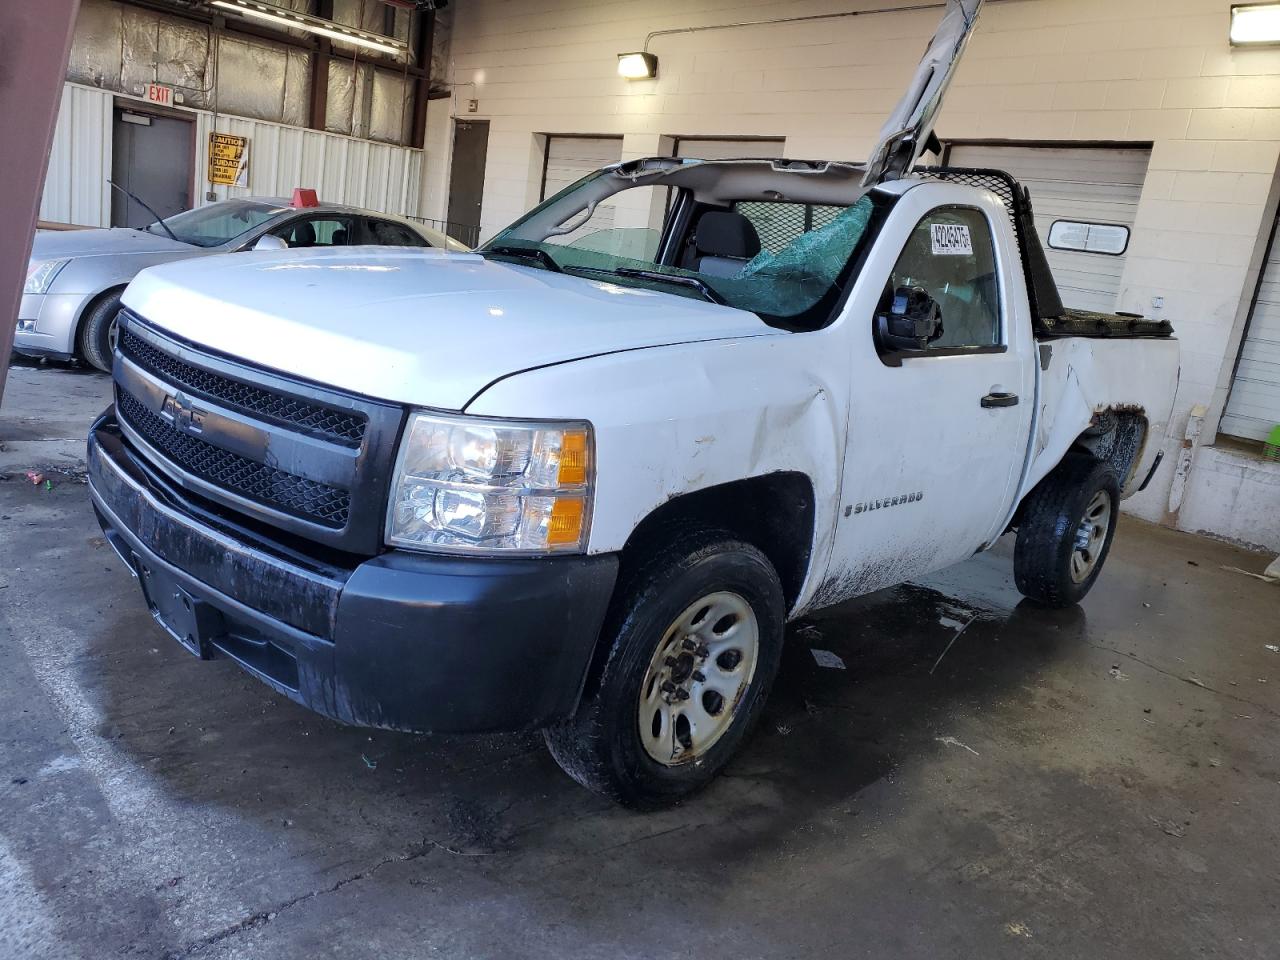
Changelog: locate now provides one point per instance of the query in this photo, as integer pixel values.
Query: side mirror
(270, 242)
(912, 321)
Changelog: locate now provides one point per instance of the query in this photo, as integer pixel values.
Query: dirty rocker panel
(403, 641)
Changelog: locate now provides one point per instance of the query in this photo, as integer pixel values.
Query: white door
(1253, 409)
(937, 439)
(569, 159)
(1091, 194)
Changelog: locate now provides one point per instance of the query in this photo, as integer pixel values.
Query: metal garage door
(1253, 408)
(569, 159)
(715, 148)
(1091, 193)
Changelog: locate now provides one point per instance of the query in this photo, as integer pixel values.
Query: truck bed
(1087, 323)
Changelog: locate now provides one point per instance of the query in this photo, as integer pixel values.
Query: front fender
(90, 276)
(673, 420)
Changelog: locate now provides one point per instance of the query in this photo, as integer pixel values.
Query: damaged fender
(670, 421)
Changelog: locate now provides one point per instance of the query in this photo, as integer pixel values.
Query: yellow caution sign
(229, 159)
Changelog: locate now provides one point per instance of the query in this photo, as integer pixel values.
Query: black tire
(1050, 523)
(96, 327)
(600, 746)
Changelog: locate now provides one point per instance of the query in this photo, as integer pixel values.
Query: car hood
(65, 244)
(417, 326)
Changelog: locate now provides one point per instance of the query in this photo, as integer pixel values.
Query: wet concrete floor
(974, 777)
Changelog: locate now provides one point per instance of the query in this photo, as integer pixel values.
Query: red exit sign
(155, 93)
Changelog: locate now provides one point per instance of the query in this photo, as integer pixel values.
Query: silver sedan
(75, 277)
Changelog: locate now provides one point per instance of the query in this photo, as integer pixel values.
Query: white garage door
(1253, 409)
(569, 159)
(1091, 194)
(710, 148)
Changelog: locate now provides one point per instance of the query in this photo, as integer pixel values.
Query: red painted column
(35, 42)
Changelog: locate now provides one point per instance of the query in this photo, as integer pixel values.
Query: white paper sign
(951, 240)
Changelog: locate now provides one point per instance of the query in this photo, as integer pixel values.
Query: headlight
(40, 274)
(466, 484)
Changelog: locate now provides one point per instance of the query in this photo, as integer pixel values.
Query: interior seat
(723, 243)
(304, 235)
(339, 238)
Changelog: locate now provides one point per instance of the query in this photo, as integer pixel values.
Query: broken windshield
(783, 260)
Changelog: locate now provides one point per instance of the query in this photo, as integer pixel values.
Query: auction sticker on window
(951, 240)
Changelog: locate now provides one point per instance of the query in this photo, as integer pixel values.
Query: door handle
(1000, 400)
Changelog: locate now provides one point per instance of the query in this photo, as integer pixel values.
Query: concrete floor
(1100, 782)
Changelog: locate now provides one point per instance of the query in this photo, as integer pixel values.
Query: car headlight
(472, 485)
(40, 274)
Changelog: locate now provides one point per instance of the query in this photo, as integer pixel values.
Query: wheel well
(92, 302)
(774, 513)
(1116, 436)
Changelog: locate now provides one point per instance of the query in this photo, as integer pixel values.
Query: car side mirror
(269, 241)
(912, 321)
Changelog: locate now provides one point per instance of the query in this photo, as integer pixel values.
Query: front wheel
(693, 647)
(1065, 533)
(98, 331)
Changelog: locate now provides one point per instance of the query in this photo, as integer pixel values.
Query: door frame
(453, 171)
(546, 152)
(169, 113)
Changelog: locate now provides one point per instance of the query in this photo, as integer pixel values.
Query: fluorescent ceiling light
(637, 66)
(301, 21)
(1255, 23)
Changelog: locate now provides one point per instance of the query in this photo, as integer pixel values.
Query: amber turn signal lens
(573, 458)
(566, 521)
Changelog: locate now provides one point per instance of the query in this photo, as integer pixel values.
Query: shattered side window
(795, 278)
(778, 223)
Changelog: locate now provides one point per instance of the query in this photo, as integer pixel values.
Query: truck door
(938, 438)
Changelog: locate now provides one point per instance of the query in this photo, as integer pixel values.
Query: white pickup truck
(580, 479)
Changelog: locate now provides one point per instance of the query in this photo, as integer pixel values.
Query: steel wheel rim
(697, 678)
(1091, 536)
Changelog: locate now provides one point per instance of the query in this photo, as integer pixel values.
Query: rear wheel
(693, 646)
(1065, 532)
(98, 330)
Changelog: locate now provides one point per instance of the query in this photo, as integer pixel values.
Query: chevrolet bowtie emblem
(182, 413)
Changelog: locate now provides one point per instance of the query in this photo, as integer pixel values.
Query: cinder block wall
(1158, 71)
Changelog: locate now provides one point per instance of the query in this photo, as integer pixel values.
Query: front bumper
(47, 324)
(401, 641)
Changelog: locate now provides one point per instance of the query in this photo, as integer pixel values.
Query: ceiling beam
(424, 35)
(199, 13)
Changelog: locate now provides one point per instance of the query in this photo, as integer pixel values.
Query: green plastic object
(1271, 449)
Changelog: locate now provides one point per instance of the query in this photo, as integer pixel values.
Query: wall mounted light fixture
(1255, 24)
(637, 66)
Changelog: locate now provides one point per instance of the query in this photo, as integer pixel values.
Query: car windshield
(218, 223)
(782, 259)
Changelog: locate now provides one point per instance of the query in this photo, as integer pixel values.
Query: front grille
(312, 501)
(336, 426)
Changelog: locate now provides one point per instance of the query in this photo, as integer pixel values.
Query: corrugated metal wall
(379, 176)
(343, 170)
(123, 48)
(75, 188)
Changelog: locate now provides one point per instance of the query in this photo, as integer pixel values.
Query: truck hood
(61, 244)
(425, 327)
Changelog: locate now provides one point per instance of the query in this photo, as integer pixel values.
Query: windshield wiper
(527, 253)
(146, 208)
(680, 281)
